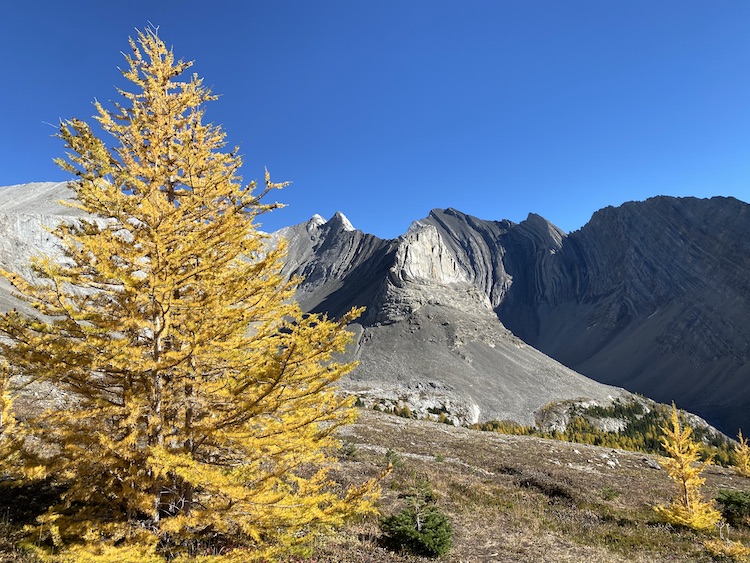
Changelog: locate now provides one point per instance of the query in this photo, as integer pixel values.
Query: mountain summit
(431, 338)
(651, 296)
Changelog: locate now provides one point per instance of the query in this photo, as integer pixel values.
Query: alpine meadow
(199, 402)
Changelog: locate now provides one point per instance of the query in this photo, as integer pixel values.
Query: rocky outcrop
(27, 213)
(431, 339)
(651, 296)
(340, 267)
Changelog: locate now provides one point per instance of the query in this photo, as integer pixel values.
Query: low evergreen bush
(420, 527)
(735, 506)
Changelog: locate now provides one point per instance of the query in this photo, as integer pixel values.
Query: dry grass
(520, 498)
(510, 498)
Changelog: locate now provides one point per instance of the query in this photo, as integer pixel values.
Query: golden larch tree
(8, 431)
(742, 456)
(687, 507)
(202, 406)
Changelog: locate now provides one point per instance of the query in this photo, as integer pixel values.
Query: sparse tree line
(644, 431)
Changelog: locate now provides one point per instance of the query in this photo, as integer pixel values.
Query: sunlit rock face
(651, 296)
(423, 258)
(431, 338)
(27, 213)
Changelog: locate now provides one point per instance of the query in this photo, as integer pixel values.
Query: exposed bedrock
(431, 338)
(651, 296)
(658, 302)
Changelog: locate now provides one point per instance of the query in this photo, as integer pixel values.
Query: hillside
(510, 499)
(487, 320)
(429, 339)
(516, 498)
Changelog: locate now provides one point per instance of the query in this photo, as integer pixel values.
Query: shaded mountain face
(650, 296)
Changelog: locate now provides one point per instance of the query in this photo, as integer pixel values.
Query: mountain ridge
(649, 295)
(483, 319)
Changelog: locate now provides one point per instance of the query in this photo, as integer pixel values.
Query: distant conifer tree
(202, 406)
(742, 456)
(687, 507)
(421, 527)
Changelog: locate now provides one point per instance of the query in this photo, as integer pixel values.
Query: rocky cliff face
(651, 296)
(340, 267)
(431, 338)
(27, 212)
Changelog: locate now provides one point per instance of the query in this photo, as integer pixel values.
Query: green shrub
(735, 506)
(393, 458)
(608, 493)
(428, 534)
(420, 527)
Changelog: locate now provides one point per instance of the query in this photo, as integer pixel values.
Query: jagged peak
(415, 226)
(543, 228)
(434, 214)
(537, 221)
(460, 216)
(340, 222)
(452, 211)
(314, 223)
(535, 217)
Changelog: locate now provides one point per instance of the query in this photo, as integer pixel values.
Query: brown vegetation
(509, 498)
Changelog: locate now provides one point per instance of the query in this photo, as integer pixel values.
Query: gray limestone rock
(431, 339)
(651, 296)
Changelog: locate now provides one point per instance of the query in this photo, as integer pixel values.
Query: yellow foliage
(727, 549)
(742, 456)
(7, 420)
(203, 401)
(687, 507)
(102, 553)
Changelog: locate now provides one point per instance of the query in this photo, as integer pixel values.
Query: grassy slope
(520, 498)
(510, 498)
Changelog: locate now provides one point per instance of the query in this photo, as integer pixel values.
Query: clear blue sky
(386, 109)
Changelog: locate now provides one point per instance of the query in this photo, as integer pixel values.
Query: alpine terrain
(477, 320)
(651, 296)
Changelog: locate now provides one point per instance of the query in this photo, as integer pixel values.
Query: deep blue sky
(389, 108)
